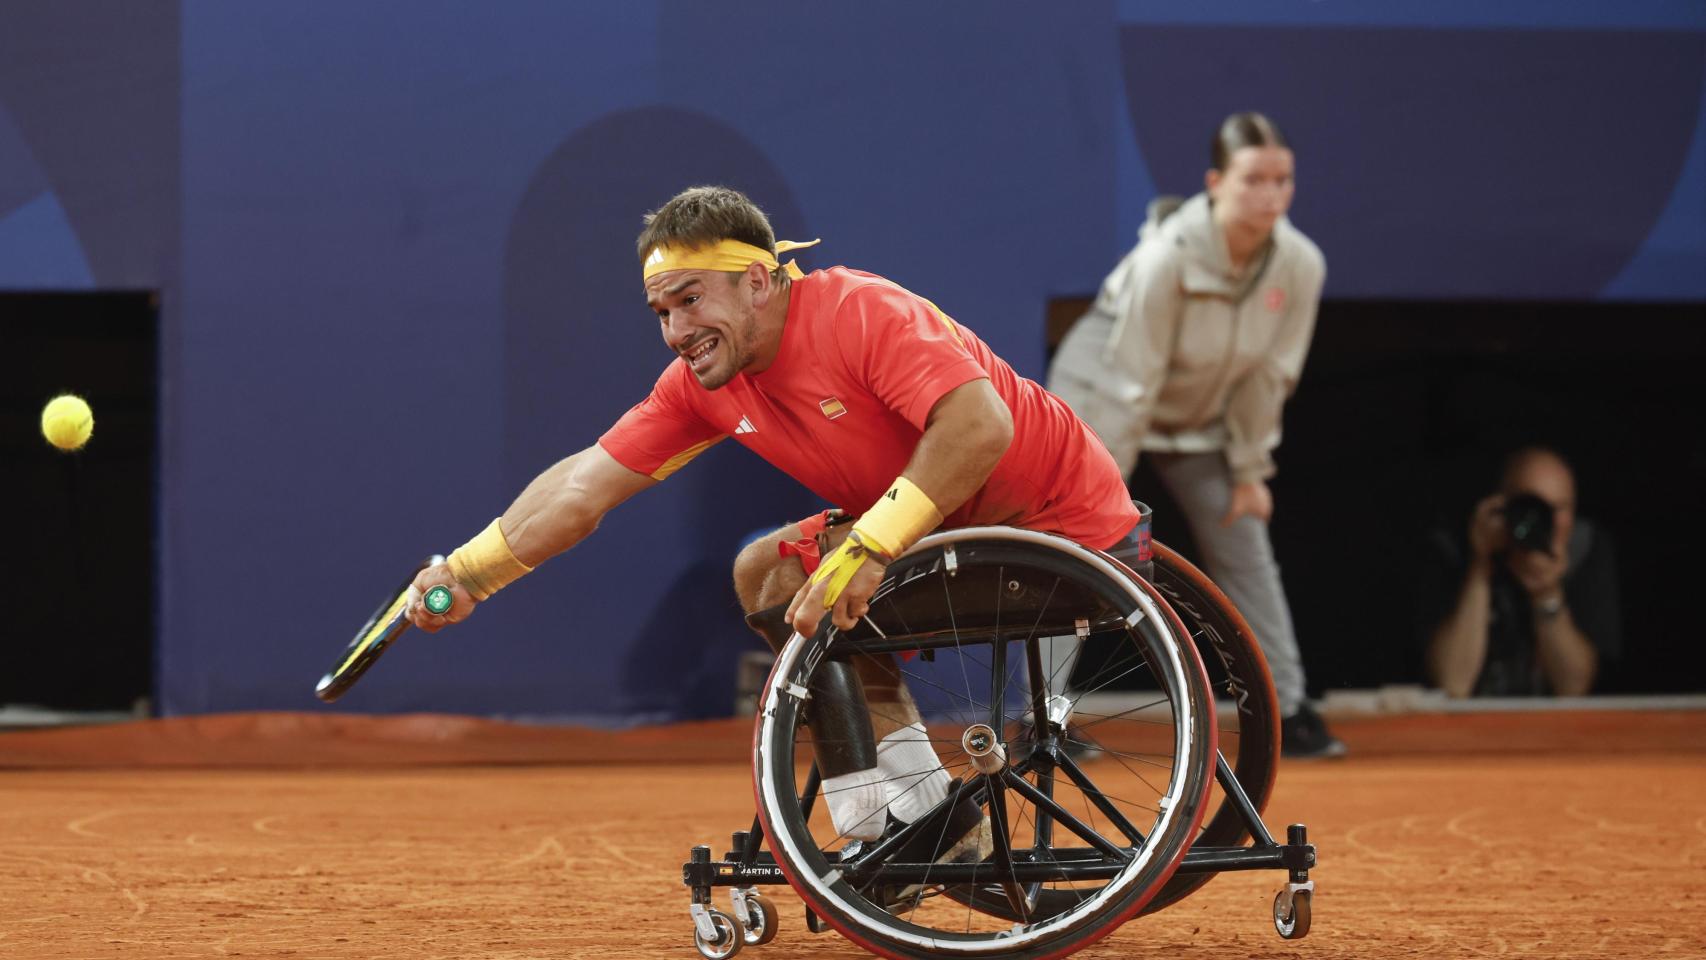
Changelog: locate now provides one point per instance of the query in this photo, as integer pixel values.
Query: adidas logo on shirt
(745, 427)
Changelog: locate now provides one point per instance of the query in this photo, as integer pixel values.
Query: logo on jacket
(831, 408)
(745, 426)
(1276, 299)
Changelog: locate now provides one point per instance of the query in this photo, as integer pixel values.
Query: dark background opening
(79, 559)
(1403, 416)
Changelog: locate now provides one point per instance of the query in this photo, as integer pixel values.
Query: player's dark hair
(1243, 130)
(700, 216)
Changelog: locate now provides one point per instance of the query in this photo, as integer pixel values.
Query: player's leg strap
(836, 713)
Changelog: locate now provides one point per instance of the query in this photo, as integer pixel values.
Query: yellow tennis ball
(67, 422)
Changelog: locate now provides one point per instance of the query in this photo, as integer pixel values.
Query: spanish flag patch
(831, 408)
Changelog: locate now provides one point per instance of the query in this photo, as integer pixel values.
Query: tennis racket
(387, 624)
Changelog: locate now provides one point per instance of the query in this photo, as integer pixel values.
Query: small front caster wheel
(760, 920)
(1293, 923)
(728, 940)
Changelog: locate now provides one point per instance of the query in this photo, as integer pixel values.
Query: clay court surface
(304, 836)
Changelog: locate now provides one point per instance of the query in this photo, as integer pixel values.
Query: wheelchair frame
(747, 865)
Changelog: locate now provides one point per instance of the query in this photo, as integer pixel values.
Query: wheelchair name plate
(749, 873)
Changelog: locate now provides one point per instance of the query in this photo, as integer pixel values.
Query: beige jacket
(1179, 354)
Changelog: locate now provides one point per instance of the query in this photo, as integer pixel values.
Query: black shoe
(957, 833)
(1304, 735)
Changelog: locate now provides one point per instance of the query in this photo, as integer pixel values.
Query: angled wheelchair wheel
(1076, 843)
(1248, 714)
(1247, 709)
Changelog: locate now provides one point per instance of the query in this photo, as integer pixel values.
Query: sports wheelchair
(1112, 782)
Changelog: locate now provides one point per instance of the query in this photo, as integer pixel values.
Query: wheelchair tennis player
(876, 401)
(906, 423)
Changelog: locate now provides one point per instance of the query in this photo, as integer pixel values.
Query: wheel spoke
(1064, 817)
(1077, 776)
(1104, 718)
(1091, 685)
(808, 796)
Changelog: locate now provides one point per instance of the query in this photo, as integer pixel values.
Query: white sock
(856, 803)
(913, 777)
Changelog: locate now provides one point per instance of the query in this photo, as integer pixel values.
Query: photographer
(1526, 604)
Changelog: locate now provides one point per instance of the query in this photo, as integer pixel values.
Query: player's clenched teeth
(700, 352)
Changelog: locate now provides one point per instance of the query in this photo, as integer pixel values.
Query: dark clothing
(1511, 668)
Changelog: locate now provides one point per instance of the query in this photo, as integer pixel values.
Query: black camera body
(1529, 520)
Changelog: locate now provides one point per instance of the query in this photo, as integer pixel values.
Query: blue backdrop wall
(393, 246)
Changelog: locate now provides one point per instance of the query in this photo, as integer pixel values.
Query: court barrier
(1400, 724)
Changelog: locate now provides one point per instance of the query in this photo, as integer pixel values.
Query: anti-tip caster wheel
(728, 940)
(1291, 919)
(759, 920)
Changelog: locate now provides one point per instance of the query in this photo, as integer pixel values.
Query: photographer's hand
(1541, 575)
(1487, 534)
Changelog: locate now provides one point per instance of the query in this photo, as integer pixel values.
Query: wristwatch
(1545, 608)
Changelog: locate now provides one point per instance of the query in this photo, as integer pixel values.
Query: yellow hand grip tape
(838, 568)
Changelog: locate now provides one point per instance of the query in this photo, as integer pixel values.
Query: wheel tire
(1292, 924)
(729, 937)
(760, 920)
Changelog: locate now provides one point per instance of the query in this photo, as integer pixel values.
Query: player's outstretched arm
(566, 502)
(555, 512)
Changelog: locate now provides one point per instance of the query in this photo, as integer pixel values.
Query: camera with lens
(1529, 520)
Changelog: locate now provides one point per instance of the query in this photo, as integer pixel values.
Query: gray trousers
(1240, 560)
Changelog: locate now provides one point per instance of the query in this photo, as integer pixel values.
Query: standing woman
(1188, 354)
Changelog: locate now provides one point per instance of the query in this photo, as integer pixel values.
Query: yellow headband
(729, 256)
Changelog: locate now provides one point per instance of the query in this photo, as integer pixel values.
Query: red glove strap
(807, 548)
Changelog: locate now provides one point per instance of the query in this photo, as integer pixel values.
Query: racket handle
(438, 600)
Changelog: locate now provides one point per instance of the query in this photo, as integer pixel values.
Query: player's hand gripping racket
(387, 623)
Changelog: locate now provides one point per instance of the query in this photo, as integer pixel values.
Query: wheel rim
(728, 940)
(1292, 923)
(1075, 847)
(761, 920)
(757, 927)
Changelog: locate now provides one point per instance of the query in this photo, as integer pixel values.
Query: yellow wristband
(898, 518)
(485, 564)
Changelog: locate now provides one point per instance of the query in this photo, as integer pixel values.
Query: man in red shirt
(864, 392)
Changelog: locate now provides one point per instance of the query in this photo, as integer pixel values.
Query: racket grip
(438, 599)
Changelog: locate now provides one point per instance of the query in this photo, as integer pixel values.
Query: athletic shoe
(1304, 735)
(956, 834)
